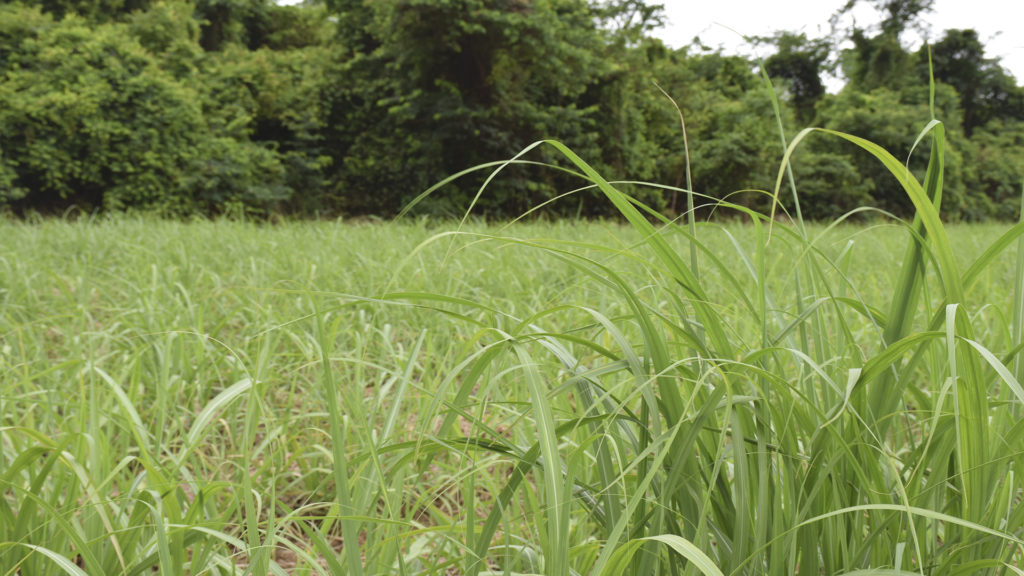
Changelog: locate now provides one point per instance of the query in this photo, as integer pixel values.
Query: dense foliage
(355, 107)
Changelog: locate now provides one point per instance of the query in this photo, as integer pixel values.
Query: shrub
(89, 118)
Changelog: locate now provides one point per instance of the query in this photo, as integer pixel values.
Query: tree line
(354, 107)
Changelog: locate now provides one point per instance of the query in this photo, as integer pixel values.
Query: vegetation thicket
(354, 107)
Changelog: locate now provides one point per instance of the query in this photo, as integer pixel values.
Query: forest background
(355, 107)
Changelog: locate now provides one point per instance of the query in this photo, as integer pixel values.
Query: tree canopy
(354, 107)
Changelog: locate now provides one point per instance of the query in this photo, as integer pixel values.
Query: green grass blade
(343, 494)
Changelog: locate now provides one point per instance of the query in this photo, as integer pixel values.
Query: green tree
(299, 26)
(731, 127)
(893, 119)
(224, 22)
(799, 62)
(169, 32)
(995, 171)
(89, 118)
(880, 60)
(91, 10)
(433, 87)
(876, 62)
(275, 100)
(629, 21)
(828, 184)
(986, 90)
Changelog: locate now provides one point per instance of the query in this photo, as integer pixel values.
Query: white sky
(997, 22)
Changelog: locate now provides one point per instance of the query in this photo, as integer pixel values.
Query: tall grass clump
(758, 412)
(754, 397)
